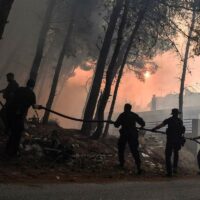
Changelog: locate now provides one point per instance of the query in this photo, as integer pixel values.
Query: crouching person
(129, 134)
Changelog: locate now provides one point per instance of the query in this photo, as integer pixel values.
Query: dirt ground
(84, 160)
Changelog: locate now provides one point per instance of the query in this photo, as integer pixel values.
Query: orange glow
(166, 80)
(147, 74)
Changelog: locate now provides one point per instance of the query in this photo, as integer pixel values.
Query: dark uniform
(174, 133)
(8, 94)
(129, 134)
(10, 90)
(175, 140)
(18, 109)
(198, 160)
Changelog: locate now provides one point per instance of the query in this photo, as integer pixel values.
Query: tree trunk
(41, 40)
(119, 63)
(59, 64)
(94, 125)
(185, 64)
(109, 74)
(95, 88)
(5, 7)
(134, 32)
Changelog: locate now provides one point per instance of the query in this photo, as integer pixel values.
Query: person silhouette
(8, 94)
(23, 99)
(129, 134)
(174, 132)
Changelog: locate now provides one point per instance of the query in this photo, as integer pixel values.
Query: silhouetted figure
(8, 94)
(198, 161)
(9, 91)
(129, 134)
(24, 98)
(153, 103)
(175, 140)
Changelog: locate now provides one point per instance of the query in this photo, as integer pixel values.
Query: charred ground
(50, 153)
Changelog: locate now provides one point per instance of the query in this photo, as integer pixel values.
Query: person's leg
(176, 158)
(121, 149)
(16, 142)
(9, 145)
(133, 145)
(15, 137)
(168, 154)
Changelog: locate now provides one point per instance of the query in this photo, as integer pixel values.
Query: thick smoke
(82, 46)
(18, 46)
(20, 37)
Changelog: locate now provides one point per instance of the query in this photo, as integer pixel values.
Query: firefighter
(8, 94)
(23, 99)
(129, 134)
(198, 161)
(12, 86)
(175, 140)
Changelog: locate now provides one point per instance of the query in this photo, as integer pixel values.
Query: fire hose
(73, 118)
(194, 139)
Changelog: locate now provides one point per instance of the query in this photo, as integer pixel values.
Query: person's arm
(117, 123)
(140, 121)
(34, 105)
(160, 125)
(182, 128)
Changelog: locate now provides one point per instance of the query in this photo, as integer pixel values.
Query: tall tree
(140, 18)
(65, 47)
(149, 38)
(110, 71)
(5, 7)
(185, 61)
(41, 40)
(115, 73)
(95, 88)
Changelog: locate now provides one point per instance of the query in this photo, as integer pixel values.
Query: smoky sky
(17, 50)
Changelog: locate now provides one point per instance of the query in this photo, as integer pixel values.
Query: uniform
(10, 90)
(8, 94)
(173, 145)
(17, 111)
(129, 134)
